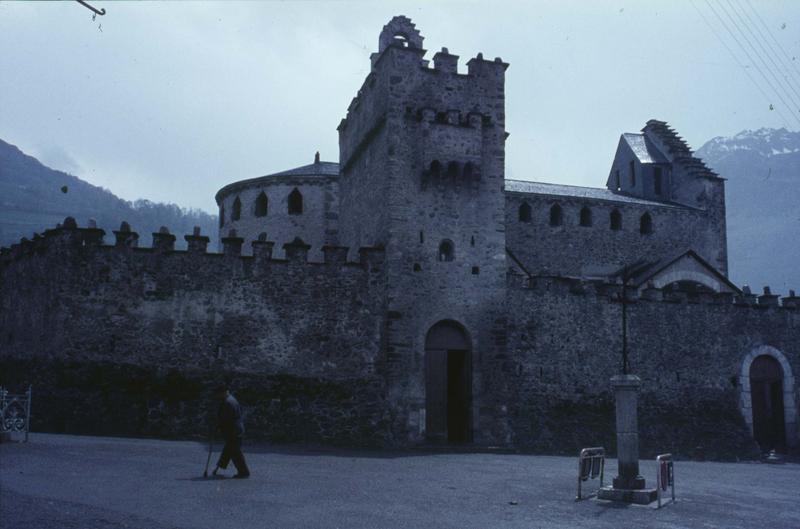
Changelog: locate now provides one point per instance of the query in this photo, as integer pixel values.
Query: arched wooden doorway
(766, 390)
(448, 383)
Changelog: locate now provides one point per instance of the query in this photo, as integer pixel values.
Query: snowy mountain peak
(765, 142)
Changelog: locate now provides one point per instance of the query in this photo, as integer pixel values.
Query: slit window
(447, 250)
(616, 220)
(525, 212)
(295, 202)
(646, 224)
(236, 214)
(617, 183)
(261, 205)
(221, 216)
(657, 184)
(586, 217)
(633, 173)
(556, 215)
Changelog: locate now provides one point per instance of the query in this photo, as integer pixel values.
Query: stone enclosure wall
(688, 353)
(125, 340)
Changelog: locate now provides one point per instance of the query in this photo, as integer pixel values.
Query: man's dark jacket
(229, 418)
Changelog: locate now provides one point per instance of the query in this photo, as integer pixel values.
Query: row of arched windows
(585, 218)
(452, 170)
(261, 206)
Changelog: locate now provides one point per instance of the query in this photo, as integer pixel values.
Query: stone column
(626, 389)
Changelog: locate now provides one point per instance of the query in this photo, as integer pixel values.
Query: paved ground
(59, 481)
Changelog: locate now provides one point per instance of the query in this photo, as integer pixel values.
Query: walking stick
(210, 448)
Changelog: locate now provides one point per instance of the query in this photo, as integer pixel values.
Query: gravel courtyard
(58, 481)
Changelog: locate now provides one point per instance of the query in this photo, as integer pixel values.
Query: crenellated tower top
(400, 31)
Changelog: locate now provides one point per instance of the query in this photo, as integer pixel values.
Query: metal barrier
(591, 463)
(665, 476)
(15, 411)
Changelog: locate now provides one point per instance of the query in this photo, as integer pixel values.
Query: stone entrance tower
(422, 172)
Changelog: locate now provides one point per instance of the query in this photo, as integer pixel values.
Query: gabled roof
(645, 271)
(643, 148)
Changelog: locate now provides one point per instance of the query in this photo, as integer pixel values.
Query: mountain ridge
(34, 197)
(762, 168)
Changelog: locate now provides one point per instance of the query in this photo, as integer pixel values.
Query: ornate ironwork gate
(15, 411)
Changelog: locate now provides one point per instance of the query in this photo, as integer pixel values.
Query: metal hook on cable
(100, 12)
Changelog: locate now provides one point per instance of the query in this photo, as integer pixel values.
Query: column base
(634, 483)
(637, 496)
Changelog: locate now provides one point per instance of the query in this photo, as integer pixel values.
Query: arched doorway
(766, 391)
(448, 383)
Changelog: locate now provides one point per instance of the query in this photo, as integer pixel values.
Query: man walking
(231, 426)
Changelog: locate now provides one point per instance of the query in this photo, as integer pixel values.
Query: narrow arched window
(525, 212)
(586, 217)
(646, 224)
(236, 214)
(221, 215)
(295, 202)
(436, 168)
(468, 170)
(452, 169)
(616, 220)
(447, 250)
(556, 215)
(261, 205)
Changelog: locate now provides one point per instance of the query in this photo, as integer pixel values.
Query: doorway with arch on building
(448, 383)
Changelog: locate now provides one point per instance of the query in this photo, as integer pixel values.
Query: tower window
(236, 214)
(616, 220)
(261, 205)
(657, 180)
(447, 250)
(525, 212)
(295, 202)
(556, 215)
(221, 215)
(421, 237)
(468, 170)
(586, 217)
(646, 224)
(633, 173)
(617, 183)
(436, 168)
(452, 169)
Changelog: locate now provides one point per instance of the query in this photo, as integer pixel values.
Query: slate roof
(318, 169)
(644, 149)
(596, 193)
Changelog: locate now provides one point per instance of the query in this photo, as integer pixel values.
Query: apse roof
(316, 169)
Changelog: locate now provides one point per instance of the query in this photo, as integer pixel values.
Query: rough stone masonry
(409, 294)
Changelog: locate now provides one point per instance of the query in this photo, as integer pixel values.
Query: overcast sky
(171, 101)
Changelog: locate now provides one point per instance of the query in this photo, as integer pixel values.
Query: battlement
(67, 236)
(612, 292)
